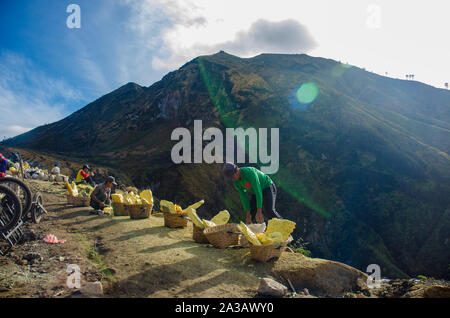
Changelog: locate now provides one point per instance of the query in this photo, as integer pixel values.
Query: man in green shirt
(262, 191)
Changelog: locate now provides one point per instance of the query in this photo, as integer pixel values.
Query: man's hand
(102, 205)
(259, 216)
(249, 218)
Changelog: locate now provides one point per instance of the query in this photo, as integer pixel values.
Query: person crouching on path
(253, 182)
(102, 195)
(84, 175)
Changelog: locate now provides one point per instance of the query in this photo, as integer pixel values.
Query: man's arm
(244, 199)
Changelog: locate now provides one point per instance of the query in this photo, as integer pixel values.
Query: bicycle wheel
(21, 190)
(10, 209)
(37, 209)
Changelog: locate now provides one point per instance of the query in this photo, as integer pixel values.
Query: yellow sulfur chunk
(284, 227)
(69, 189)
(272, 238)
(117, 198)
(178, 208)
(208, 224)
(277, 237)
(74, 189)
(192, 214)
(264, 239)
(194, 206)
(164, 206)
(221, 218)
(108, 209)
(249, 235)
(172, 208)
(147, 195)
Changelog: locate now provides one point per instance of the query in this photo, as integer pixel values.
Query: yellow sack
(249, 235)
(221, 218)
(147, 195)
(195, 218)
(208, 224)
(117, 198)
(284, 227)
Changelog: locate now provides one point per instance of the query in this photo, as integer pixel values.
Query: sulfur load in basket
(174, 215)
(255, 228)
(270, 244)
(134, 205)
(78, 196)
(118, 205)
(200, 225)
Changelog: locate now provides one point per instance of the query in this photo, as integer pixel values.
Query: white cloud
(28, 97)
(409, 40)
(244, 28)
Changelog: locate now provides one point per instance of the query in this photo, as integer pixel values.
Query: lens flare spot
(307, 93)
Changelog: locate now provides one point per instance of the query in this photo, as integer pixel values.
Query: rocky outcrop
(321, 277)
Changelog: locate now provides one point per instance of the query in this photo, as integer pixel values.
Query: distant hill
(364, 168)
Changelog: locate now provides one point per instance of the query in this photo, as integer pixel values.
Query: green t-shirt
(253, 181)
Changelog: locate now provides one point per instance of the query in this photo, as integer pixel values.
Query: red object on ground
(52, 239)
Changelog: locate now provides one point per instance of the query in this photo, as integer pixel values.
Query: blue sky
(47, 70)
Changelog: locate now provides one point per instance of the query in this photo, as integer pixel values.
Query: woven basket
(255, 228)
(173, 220)
(223, 236)
(138, 211)
(119, 209)
(198, 235)
(78, 201)
(264, 253)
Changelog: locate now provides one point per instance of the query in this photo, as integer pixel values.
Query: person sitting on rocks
(3, 166)
(56, 170)
(102, 195)
(85, 176)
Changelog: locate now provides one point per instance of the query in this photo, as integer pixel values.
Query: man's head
(109, 182)
(86, 168)
(230, 171)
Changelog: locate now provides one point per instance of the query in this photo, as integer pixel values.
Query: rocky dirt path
(133, 258)
(142, 258)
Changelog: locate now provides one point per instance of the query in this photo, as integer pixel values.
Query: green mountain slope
(364, 168)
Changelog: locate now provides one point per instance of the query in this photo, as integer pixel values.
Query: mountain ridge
(374, 198)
